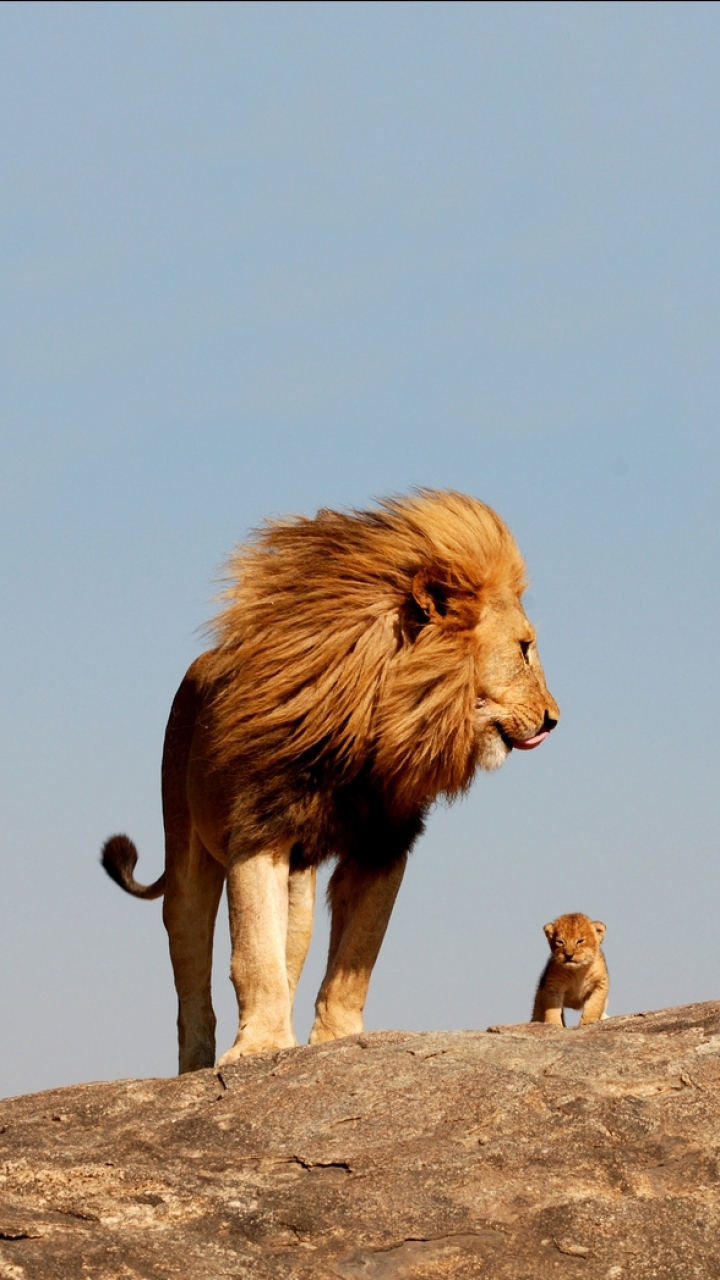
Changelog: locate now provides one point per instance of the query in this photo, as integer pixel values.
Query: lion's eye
(579, 942)
(525, 649)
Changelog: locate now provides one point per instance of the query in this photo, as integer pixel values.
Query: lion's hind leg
(258, 900)
(194, 885)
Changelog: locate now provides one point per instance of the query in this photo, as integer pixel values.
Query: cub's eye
(580, 942)
(559, 942)
(525, 649)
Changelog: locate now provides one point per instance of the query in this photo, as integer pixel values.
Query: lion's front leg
(258, 904)
(361, 903)
(301, 910)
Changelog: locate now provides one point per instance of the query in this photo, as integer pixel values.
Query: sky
(259, 258)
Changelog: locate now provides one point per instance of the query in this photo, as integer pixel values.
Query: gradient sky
(260, 258)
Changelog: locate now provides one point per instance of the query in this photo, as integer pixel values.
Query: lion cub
(575, 976)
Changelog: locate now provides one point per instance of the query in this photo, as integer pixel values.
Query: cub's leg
(548, 1005)
(596, 1004)
(194, 884)
(361, 903)
(258, 894)
(301, 909)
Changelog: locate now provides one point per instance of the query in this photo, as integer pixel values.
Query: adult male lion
(365, 664)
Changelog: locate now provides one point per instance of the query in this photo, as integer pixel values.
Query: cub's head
(574, 939)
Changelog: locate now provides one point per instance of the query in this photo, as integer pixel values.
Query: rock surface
(521, 1153)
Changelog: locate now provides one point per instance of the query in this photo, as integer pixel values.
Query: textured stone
(520, 1153)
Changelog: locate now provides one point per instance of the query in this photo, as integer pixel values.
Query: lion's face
(513, 705)
(390, 642)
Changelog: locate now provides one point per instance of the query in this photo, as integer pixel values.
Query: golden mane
(323, 655)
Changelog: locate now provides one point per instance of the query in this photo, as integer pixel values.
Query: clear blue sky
(260, 258)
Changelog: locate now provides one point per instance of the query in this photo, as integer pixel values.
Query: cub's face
(514, 707)
(574, 939)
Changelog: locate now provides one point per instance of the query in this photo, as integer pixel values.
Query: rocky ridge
(519, 1153)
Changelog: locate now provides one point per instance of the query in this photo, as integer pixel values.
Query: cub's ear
(444, 603)
(599, 928)
(549, 931)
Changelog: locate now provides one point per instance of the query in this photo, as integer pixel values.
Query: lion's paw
(335, 1029)
(255, 1043)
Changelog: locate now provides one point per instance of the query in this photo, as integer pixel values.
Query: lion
(576, 975)
(365, 663)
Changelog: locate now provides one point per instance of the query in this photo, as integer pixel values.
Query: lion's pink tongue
(527, 744)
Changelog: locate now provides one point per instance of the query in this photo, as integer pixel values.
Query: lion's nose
(548, 723)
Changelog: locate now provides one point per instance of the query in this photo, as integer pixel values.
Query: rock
(521, 1153)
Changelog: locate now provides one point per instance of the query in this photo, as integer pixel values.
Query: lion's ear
(599, 928)
(430, 595)
(443, 602)
(549, 931)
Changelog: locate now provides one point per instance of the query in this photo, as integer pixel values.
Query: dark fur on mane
(345, 652)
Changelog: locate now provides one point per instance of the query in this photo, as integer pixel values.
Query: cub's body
(576, 975)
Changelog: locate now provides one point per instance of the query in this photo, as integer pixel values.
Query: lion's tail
(119, 857)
